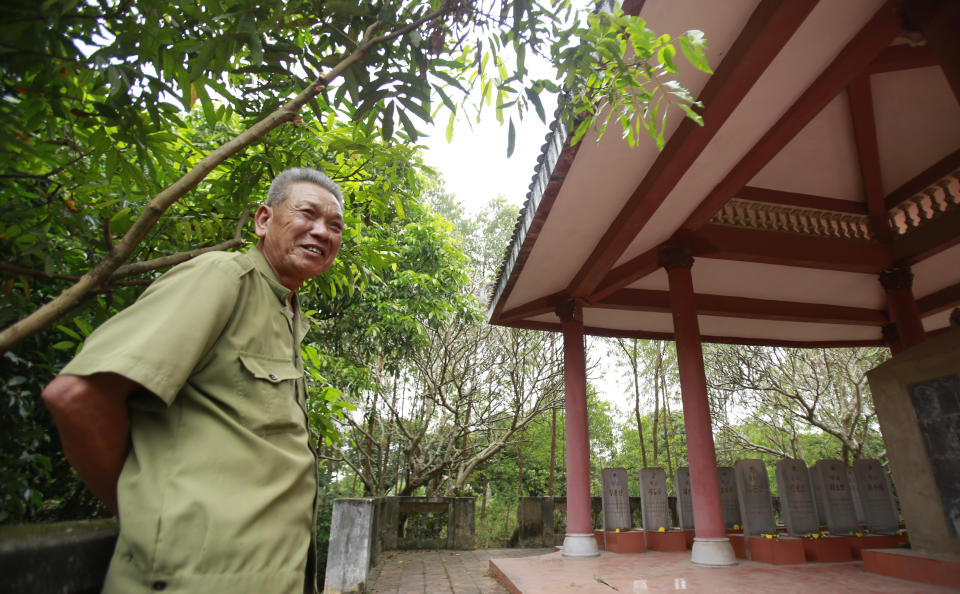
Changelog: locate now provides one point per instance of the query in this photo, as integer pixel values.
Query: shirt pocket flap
(269, 369)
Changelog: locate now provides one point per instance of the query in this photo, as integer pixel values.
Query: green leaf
(693, 44)
(535, 99)
(450, 127)
(511, 139)
(64, 345)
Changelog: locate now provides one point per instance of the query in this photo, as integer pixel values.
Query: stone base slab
(739, 544)
(777, 551)
(827, 549)
(625, 542)
(671, 541)
(713, 552)
(875, 541)
(938, 570)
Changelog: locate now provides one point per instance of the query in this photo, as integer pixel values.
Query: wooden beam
(749, 308)
(789, 249)
(932, 238)
(629, 272)
(769, 28)
(903, 57)
(945, 298)
(769, 196)
(533, 308)
(642, 334)
(876, 35)
(924, 179)
(868, 150)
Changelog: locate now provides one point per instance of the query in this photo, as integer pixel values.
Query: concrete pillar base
(715, 552)
(580, 545)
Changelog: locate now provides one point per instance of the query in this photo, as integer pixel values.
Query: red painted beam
(868, 151)
(924, 179)
(932, 238)
(876, 35)
(769, 196)
(788, 249)
(537, 307)
(612, 333)
(946, 298)
(769, 28)
(903, 57)
(627, 273)
(748, 308)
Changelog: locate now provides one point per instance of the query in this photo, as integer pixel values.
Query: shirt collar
(262, 266)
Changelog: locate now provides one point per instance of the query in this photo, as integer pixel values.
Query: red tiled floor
(655, 571)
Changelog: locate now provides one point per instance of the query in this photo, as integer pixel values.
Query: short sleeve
(159, 340)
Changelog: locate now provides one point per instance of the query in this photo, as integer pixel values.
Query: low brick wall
(63, 558)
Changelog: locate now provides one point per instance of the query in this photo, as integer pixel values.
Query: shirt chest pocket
(267, 388)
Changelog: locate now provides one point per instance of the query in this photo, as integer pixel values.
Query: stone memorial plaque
(816, 485)
(937, 404)
(615, 495)
(753, 489)
(653, 499)
(728, 497)
(876, 497)
(837, 502)
(797, 508)
(855, 495)
(684, 498)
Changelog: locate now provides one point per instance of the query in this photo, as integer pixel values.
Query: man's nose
(320, 229)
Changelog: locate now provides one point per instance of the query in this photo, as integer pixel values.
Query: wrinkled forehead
(304, 191)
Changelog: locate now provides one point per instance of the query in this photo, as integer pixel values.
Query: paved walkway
(442, 572)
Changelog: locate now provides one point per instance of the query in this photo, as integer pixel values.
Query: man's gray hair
(280, 186)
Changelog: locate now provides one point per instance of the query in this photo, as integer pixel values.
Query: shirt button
(159, 585)
(273, 377)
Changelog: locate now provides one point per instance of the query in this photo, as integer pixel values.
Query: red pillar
(715, 548)
(897, 283)
(579, 541)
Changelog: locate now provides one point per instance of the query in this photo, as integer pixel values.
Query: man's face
(301, 236)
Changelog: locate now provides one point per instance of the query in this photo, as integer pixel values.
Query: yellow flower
(816, 536)
(736, 526)
(661, 529)
(618, 531)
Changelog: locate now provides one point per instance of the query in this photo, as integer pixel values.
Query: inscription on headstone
(753, 489)
(653, 499)
(837, 502)
(937, 404)
(616, 499)
(876, 497)
(796, 497)
(855, 495)
(684, 498)
(728, 497)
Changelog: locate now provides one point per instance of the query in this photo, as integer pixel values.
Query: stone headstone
(797, 508)
(753, 489)
(616, 499)
(876, 497)
(684, 498)
(654, 508)
(729, 501)
(855, 495)
(816, 485)
(837, 502)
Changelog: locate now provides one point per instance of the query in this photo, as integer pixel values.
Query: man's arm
(91, 417)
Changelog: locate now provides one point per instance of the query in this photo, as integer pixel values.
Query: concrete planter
(827, 549)
(777, 551)
(630, 541)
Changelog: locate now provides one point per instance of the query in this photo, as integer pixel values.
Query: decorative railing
(907, 216)
(791, 219)
(923, 207)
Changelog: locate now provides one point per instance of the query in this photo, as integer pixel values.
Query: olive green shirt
(218, 492)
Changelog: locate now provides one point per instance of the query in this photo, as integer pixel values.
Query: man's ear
(261, 219)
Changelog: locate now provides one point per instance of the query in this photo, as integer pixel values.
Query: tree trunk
(636, 403)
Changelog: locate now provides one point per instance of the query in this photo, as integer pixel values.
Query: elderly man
(186, 413)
